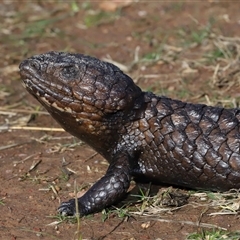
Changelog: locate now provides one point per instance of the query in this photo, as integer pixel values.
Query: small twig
(8, 113)
(201, 215)
(123, 67)
(197, 224)
(55, 191)
(32, 128)
(214, 77)
(25, 159)
(15, 111)
(34, 165)
(223, 213)
(91, 157)
(208, 100)
(12, 145)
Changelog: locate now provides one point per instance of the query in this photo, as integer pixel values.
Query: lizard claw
(67, 208)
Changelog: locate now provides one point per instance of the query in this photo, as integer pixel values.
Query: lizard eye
(35, 65)
(70, 72)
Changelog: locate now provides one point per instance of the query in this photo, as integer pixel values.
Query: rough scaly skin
(140, 134)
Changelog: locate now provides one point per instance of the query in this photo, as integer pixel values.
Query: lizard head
(77, 88)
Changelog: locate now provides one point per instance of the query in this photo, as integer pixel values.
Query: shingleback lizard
(141, 135)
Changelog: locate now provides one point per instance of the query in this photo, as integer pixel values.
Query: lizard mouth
(48, 93)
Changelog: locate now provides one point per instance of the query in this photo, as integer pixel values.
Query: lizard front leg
(109, 189)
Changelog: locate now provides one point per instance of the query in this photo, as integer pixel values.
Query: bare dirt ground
(184, 50)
